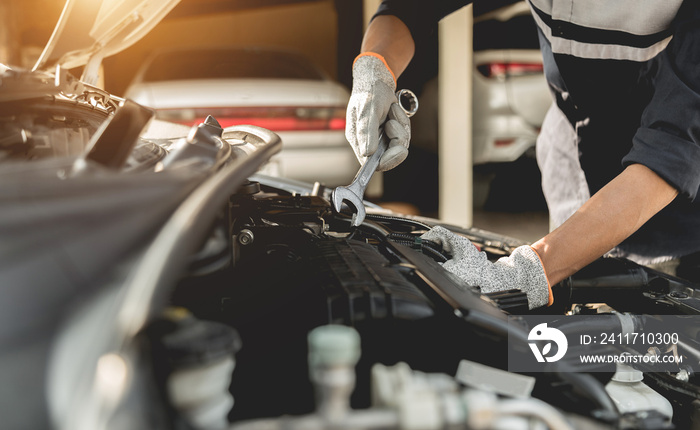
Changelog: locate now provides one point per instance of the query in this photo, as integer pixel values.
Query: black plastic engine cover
(289, 281)
(293, 272)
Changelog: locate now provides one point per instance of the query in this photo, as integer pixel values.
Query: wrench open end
(341, 194)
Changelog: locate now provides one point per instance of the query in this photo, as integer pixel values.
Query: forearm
(390, 38)
(608, 218)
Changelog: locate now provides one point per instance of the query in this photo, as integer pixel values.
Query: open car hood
(89, 30)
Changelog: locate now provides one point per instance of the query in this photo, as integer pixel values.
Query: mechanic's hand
(521, 270)
(373, 100)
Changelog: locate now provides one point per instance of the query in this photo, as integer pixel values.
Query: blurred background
(209, 56)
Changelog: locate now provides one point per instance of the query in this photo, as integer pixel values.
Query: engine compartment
(280, 314)
(295, 266)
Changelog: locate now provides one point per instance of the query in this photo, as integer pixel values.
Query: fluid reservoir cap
(333, 345)
(212, 126)
(626, 373)
(188, 341)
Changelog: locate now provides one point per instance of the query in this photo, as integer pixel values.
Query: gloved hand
(372, 101)
(521, 270)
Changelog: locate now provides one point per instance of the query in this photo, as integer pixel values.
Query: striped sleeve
(585, 30)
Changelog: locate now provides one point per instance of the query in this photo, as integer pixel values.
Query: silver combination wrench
(354, 193)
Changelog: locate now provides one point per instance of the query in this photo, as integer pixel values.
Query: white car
(278, 90)
(509, 89)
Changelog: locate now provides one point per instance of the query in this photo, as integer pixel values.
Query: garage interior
(167, 268)
(329, 32)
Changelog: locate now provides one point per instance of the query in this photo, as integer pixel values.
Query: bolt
(245, 237)
(683, 375)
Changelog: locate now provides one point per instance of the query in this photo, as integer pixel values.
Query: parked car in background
(510, 93)
(276, 89)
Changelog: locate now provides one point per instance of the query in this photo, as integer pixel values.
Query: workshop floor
(508, 198)
(527, 226)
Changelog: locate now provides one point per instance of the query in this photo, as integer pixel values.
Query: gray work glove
(521, 270)
(373, 100)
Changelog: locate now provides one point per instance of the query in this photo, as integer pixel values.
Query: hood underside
(96, 29)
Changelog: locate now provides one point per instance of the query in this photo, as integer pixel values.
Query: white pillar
(6, 26)
(455, 118)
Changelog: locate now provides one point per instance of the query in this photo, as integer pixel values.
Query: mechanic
(619, 149)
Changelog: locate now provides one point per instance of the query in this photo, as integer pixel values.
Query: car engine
(296, 268)
(157, 280)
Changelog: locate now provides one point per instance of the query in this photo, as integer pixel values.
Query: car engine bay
(166, 283)
(297, 266)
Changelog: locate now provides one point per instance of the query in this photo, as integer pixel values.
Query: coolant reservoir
(630, 394)
(200, 355)
(333, 353)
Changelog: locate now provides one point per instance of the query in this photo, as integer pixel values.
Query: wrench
(355, 192)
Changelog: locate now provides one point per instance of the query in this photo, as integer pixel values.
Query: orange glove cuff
(374, 54)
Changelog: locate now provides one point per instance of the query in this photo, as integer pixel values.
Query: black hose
(378, 217)
(377, 228)
(380, 232)
(434, 253)
(428, 247)
(596, 323)
(404, 236)
(592, 389)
